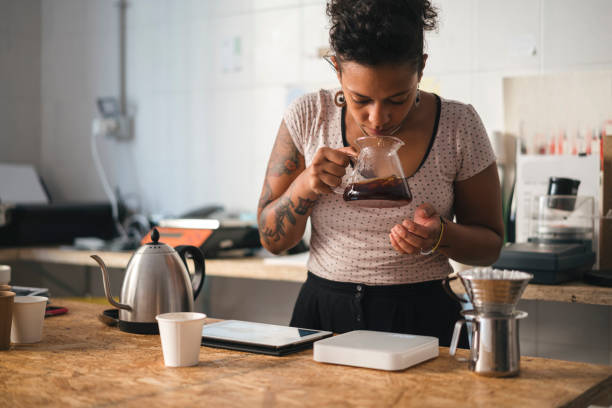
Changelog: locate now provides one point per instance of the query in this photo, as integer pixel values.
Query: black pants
(420, 308)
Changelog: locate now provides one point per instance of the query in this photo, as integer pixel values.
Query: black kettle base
(138, 327)
(110, 317)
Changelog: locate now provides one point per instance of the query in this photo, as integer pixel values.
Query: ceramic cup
(6, 318)
(28, 317)
(181, 335)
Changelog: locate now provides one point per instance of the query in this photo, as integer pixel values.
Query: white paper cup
(5, 274)
(181, 335)
(28, 317)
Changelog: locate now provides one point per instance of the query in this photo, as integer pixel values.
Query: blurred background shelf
(258, 268)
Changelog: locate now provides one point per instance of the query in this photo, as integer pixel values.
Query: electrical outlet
(113, 122)
(119, 127)
(125, 130)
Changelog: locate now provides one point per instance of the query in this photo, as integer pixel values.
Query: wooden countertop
(255, 268)
(82, 362)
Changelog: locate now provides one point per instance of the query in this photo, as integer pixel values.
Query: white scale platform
(378, 350)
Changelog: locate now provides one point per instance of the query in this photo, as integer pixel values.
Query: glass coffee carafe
(376, 179)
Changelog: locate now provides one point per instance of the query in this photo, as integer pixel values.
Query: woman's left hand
(419, 234)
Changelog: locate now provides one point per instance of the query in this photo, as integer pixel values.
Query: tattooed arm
(290, 190)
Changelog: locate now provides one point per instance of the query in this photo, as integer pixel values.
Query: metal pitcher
(495, 349)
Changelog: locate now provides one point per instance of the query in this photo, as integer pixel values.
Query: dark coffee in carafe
(380, 193)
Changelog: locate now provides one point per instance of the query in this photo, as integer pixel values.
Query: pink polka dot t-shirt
(351, 244)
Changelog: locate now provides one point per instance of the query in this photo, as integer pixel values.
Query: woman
(381, 269)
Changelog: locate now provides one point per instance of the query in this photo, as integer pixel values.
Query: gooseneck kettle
(156, 281)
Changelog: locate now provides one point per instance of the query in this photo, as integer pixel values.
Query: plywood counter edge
(254, 268)
(599, 392)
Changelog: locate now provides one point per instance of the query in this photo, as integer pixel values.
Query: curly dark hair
(373, 32)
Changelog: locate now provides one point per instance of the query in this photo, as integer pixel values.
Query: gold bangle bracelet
(432, 250)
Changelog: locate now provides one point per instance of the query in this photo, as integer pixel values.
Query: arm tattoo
(285, 157)
(285, 160)
(304, 205)
(282, 210)
(266, 195)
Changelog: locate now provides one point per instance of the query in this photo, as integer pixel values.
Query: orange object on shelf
(180, 236)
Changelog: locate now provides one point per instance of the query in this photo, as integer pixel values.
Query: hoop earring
(417, 100)
(339, 99)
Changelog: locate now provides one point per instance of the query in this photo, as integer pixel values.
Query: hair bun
(379, 31)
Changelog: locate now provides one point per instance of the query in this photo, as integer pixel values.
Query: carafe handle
(349, 169)
(455, 340)
(346, 180)
(197, 279)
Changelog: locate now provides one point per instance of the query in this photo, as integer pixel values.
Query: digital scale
(548, 263)
(374, 349)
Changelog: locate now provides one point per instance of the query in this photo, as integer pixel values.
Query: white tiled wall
(186, 93)
(576, 35)
(451, 49)
(507, 35)
(78, 63)
(204, 127)
(20, 81)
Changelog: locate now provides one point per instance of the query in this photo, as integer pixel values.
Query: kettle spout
(107, 291)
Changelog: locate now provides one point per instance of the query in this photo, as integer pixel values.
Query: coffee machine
(561, 236)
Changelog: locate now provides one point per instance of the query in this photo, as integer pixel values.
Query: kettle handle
(197, 280)
(449, 291)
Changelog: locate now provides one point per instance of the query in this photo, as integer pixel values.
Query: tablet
(259, 337)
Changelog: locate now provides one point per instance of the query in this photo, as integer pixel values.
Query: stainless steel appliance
(560, 242)
(156, 281)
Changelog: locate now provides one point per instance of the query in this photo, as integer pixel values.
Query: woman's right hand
(327, 169)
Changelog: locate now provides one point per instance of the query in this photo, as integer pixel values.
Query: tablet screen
(261, 334)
